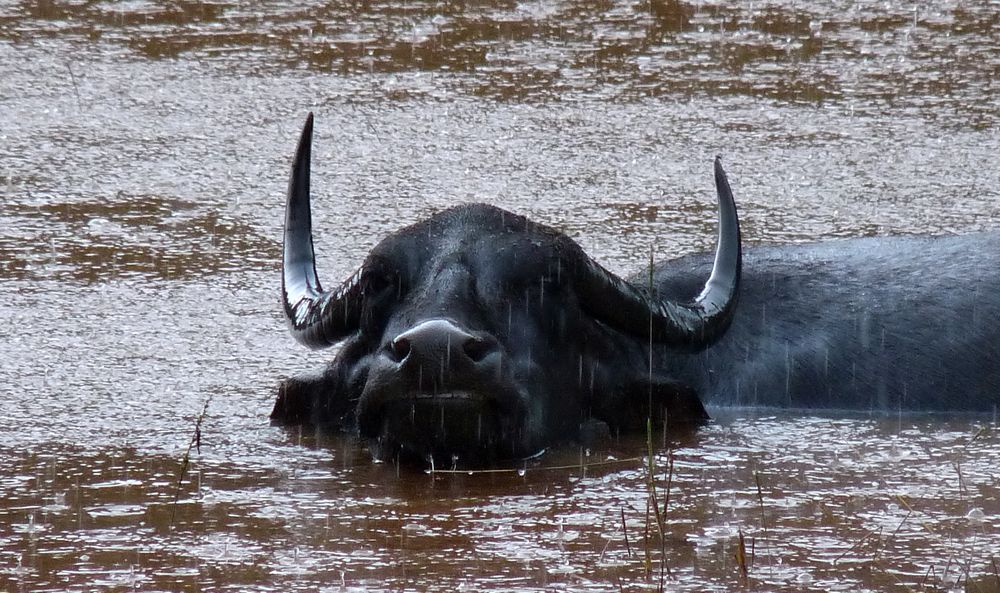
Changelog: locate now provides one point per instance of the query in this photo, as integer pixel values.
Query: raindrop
(522, 471)
(976, 516)
(788, 372)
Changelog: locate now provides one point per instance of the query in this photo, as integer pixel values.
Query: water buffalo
(477, 334)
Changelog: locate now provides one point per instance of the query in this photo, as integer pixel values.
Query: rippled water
(143, 154)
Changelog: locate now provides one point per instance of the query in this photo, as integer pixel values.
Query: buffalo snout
(440, 343)
(436, 357)
(438, 390)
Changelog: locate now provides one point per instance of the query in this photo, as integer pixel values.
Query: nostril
(438, 343)
(477, 349)
(399, 349)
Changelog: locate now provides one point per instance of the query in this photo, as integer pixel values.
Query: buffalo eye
(374, 282)
(529, 269)
(380, 287)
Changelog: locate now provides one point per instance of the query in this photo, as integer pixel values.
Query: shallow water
(144, 149)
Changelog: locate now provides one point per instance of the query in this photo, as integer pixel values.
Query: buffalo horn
(641, 313)
(315, 318)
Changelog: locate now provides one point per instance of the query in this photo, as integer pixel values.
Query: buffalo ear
(674, 403)
(318, 399)
(296, 397)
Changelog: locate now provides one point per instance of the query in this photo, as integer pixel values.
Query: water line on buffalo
(521, 471)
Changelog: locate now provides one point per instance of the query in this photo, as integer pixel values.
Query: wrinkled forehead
(492, 245)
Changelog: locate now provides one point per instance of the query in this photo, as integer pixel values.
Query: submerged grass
(656, 512)
(741, 558)
(194, 443)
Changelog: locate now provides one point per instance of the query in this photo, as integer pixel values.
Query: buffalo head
(477, 334)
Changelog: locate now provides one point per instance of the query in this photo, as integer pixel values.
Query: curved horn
(696, 324)
(315, 318)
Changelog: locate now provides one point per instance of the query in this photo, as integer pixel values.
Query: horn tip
(721, 179)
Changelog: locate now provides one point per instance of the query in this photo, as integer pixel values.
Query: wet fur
(870, 324)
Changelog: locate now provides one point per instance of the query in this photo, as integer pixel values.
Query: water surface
(144, 148)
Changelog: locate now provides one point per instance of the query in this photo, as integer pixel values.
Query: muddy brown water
(143, 153)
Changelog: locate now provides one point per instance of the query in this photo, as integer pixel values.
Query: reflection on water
(143, 153)
(133, 235)
(891, 504)
(875, 53)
